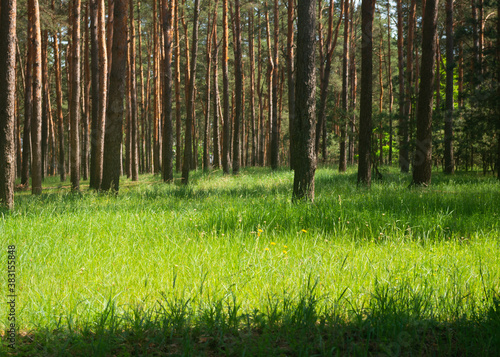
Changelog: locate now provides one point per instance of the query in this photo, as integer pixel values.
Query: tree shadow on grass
(299, 326)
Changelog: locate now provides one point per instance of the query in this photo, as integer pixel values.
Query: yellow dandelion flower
(286, 247)
(284, 252)
(266, 248)
(304, 231)
(272, 243)
(260, 230)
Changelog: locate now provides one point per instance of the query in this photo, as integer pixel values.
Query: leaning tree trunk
(449, 166)
(365, 113)
(8, 17)
(305, 109)
(36, 122)
(75, 99)
(422, 163)
(116, 93)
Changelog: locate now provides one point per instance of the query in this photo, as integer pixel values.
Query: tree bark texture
(8, 18)
(422, 163)
(305, 109)
(190, 108)
(449, 166)
(168, 136)
(36, 120)
(238, 74)
(75, 98)
(116, 93)
(226, 142)
(365, 114)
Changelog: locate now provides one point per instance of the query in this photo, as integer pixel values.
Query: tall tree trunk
(178, 142)
(156, 92)
(36, 120)
(389, 75)
(211, 42)
(226, 142)
(215, 55)
(190, 108)
(60, 117)
(304, 129)
(422, 164)
(449, 166)
(345, 93)
(168, 137)
(404, 150)
(75, 98)
(114, 112)
(290, 77)
(403, 121)
(238, 69)
(86, 96)
(28, 104)
(353, 79)
(8, 17)
(365, 114)
(45, 95)
(134, 122)
(275, 135)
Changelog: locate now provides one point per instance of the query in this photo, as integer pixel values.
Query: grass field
(229, 266)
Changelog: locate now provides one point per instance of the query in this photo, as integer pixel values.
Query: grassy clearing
(228, 266)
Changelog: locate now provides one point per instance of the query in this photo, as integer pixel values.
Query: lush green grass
(228, 265)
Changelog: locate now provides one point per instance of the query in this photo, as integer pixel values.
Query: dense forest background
(210, 84)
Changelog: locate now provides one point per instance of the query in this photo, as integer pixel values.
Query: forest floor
(228, 266)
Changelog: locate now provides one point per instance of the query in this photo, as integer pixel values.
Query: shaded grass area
(228, 266)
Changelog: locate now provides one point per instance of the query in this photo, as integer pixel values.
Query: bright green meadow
(230, 266)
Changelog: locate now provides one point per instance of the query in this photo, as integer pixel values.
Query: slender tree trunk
(190, 108)
(28, 104)
(345, 95)
(405, 149)
(380, 104)
(156, 92)
(60, 117)
(275, 135)
(8, 17)
(365, 114)
(215, 55)
(168, 137)
(114, 112)
(304, 129)
(75, 99)
(238, 69)
(353, 79)
(86, 96)
(45, 95)
(36, 120)
(290, 77)
(403, 121)
(178, 142)
(449, 166)
(226, 142)
(422, 164)
(134, 122)
(389, 74)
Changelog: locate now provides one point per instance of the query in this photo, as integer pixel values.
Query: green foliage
(228, 265)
